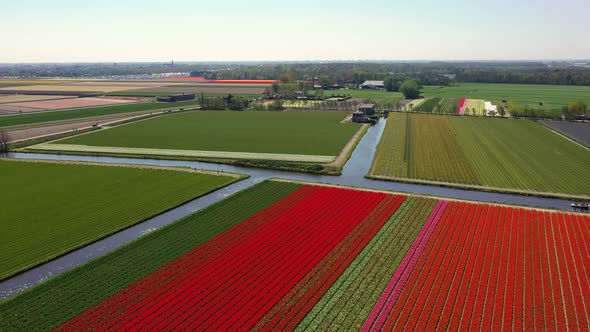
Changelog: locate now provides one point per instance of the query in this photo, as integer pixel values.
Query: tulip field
(494, 154)
(289, 256)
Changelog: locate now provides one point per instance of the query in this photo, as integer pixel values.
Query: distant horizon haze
(67, 31)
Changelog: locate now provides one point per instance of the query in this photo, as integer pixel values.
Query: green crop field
(49, 208)
(438, 105)
(367, 94)
(553, 97)
(34, 118)
(298, 133)
(502, 154)
(55, 301)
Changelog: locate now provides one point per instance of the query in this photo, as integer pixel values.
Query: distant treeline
(557, 76)
(426, 73)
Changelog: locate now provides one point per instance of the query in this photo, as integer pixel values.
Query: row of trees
(575, 109)
(570, 112)
(235, 103)
(432, 73)
(556, 76)
(426, 73)
(3, 141)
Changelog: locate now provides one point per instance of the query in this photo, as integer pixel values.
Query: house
(359, 117)
(373, 85)
(175, 98)
(367, 109)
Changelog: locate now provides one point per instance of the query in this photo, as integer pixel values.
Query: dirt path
(567, 138)
(347, 150)
(57, 128)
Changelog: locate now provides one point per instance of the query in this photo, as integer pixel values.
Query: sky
(265, 30)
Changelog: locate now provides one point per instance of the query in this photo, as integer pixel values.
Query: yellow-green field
(499, 154)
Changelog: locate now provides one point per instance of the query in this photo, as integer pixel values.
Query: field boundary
(92, 118)
(350, 146)
(111, 123)
(475, 187)
(426, 196)
(137, 166)
(183, 153)
(566, 136)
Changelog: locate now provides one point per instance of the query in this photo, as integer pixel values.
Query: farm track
(57, 147)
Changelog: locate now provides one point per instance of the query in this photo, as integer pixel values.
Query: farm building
(359, 117)
(367, 109)
(373, 85)
(364, 114)
(174, 98)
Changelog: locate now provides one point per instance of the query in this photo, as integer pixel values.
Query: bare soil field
(12, 109)
(65, 126)
(203, 89)
(71, 103)
(23, 98)
(577, 130)
(145, 84)
(107, 87)
(29, 133)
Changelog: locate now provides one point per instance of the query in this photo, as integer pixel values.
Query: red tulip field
(328, 258)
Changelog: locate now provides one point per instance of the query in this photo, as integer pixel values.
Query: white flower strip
(183, 153)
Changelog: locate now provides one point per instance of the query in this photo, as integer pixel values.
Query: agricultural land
(553, 97)
(34, 119)
(51, 208)
(578, 131)
(493, 154)
(288, 136)
(390, 261)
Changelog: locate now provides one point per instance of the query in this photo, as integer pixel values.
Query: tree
(502, 111)
(238, 103)
(3, 141)
(391, 84)
(202, 97)
(410, 89)
(275, 88)
(289, 77)
(277, 105)
(325, 81)
(575, 109)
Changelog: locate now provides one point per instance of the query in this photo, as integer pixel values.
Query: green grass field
(51, 303)
(553, 97)
(49, 208)
(502, 154)
(35, 118)
(369, 94)
(299, 133)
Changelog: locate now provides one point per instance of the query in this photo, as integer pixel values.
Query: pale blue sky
(228, 30)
